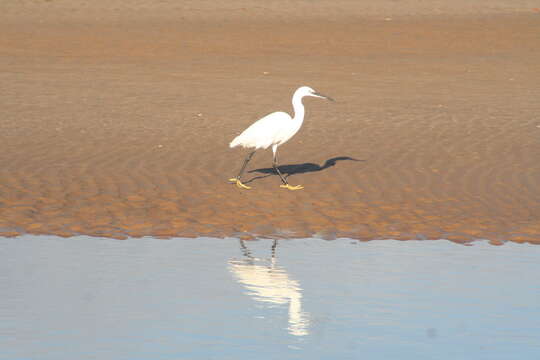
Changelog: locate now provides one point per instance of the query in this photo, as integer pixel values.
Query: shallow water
(89, 298)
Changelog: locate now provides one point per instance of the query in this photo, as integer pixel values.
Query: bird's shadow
(288, 170)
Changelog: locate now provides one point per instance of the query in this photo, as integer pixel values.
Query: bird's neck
(298, 108)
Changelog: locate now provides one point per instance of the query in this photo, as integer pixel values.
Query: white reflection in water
(268, 283)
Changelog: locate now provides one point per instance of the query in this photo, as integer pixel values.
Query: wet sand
(116, 121)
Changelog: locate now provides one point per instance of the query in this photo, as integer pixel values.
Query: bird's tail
(235, 142)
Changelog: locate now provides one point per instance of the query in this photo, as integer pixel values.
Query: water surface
(91, 298)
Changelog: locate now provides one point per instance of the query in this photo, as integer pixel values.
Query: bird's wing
(263, 132)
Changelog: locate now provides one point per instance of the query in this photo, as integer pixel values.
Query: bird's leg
(236, 180)
(275, 166)
(285, 183)
(248, 158)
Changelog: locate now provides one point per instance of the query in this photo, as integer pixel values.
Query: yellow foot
(297, 187)
(239, 183)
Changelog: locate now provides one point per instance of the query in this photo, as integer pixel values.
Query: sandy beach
(116, 119)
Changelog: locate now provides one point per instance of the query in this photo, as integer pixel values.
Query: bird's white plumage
(273, 129)
(276, 128)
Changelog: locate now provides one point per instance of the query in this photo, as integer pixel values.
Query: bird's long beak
(323, 96)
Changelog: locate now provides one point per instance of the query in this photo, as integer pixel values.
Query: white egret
(273, 130)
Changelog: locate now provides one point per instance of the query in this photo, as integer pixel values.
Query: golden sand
(118, 125)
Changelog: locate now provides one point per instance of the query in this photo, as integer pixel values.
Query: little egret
(274, 130)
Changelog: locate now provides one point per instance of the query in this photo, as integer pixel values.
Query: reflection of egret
(270, 283)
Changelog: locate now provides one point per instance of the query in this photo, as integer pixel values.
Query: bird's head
(307, 91)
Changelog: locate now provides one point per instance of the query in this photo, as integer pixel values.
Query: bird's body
(274, 130)
(279, 124)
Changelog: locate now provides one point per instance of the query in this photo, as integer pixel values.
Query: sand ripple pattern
(108, 132)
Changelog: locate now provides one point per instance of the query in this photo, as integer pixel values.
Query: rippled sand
(116, 122)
